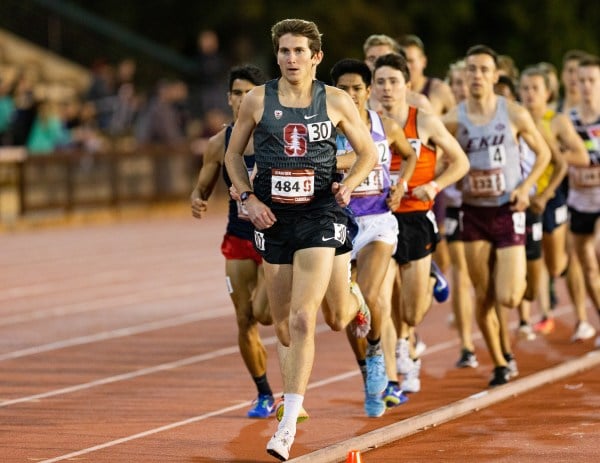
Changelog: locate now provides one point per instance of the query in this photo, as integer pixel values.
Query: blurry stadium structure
(62, 40)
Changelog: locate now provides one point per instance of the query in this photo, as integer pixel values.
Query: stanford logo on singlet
(295, 136)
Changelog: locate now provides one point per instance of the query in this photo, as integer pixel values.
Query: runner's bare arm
(250, 112)
(573, 148)
(344, 114)
(526, 128)
(454, 156)
(212, 160)
(399, 144)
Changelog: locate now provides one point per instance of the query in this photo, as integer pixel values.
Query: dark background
(528, 30)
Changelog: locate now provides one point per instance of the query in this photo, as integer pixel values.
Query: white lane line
(231, 350)
(118, 333)
(203, 357)
(341, 377)
(151, 294)
(177, 424)
(125, 376)
(39, 289)
(430, 350)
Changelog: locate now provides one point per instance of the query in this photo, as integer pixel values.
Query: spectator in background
(164, 119)
(102, 88)
(80, 119)
(211, 73)
(8, 76)
(125, 102)
(25, 110)
(48, 131)
(164, 122)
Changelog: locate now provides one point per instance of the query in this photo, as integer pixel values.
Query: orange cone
(353, 457)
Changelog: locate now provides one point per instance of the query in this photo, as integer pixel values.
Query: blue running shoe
(393, 396)
(441, 290)
(374, 405)
(376, 376)
(262, 407)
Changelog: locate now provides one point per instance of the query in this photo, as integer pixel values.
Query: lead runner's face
(294, 58)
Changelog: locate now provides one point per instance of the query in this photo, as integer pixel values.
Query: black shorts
(324, 228)
(534, 232)
(452, 224)
(417, 236)
(556, 212)
(583, 223)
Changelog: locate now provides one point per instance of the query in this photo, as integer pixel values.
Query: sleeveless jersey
(424, 169)
(584, 182)
(370, 196)
(238, 223)
(452, 195)
(494, 157)
(544, 179)
(426, 90)
(527, 162)
(295, 153)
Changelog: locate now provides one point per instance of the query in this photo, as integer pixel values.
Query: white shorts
(377, 227)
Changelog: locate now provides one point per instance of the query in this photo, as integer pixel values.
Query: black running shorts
(533, 240)
(417, 236)
(323, 228)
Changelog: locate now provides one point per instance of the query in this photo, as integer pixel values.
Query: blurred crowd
(113, 112)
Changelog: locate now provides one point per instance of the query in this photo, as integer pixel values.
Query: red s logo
(295, 136)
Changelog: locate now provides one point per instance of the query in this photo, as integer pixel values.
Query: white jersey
(584, 182)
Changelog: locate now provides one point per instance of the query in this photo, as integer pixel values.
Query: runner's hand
(519, 200)
(342, 193)
(233, 193)
(199, 206)
(259, 213)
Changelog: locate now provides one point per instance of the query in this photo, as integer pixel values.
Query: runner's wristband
(435, 186)
(404, 184)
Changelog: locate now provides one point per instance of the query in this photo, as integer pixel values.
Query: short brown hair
(483, 50)
(396, 61)
(299, 27)
(590, 60)
(574, 55)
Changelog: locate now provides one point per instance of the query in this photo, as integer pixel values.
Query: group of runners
(356, 196)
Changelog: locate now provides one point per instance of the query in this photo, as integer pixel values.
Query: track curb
(387, 434)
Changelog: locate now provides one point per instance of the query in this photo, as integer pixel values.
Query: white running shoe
(411, 382)
(526, 333)
(583, 331)
(280, 444)
(403, 361)
(420, 347)
(513, 369)
(451, 320)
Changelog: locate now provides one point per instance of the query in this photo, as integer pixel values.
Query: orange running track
(118, 344)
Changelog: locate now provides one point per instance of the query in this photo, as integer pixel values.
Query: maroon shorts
(236, 248)
(498, 225)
